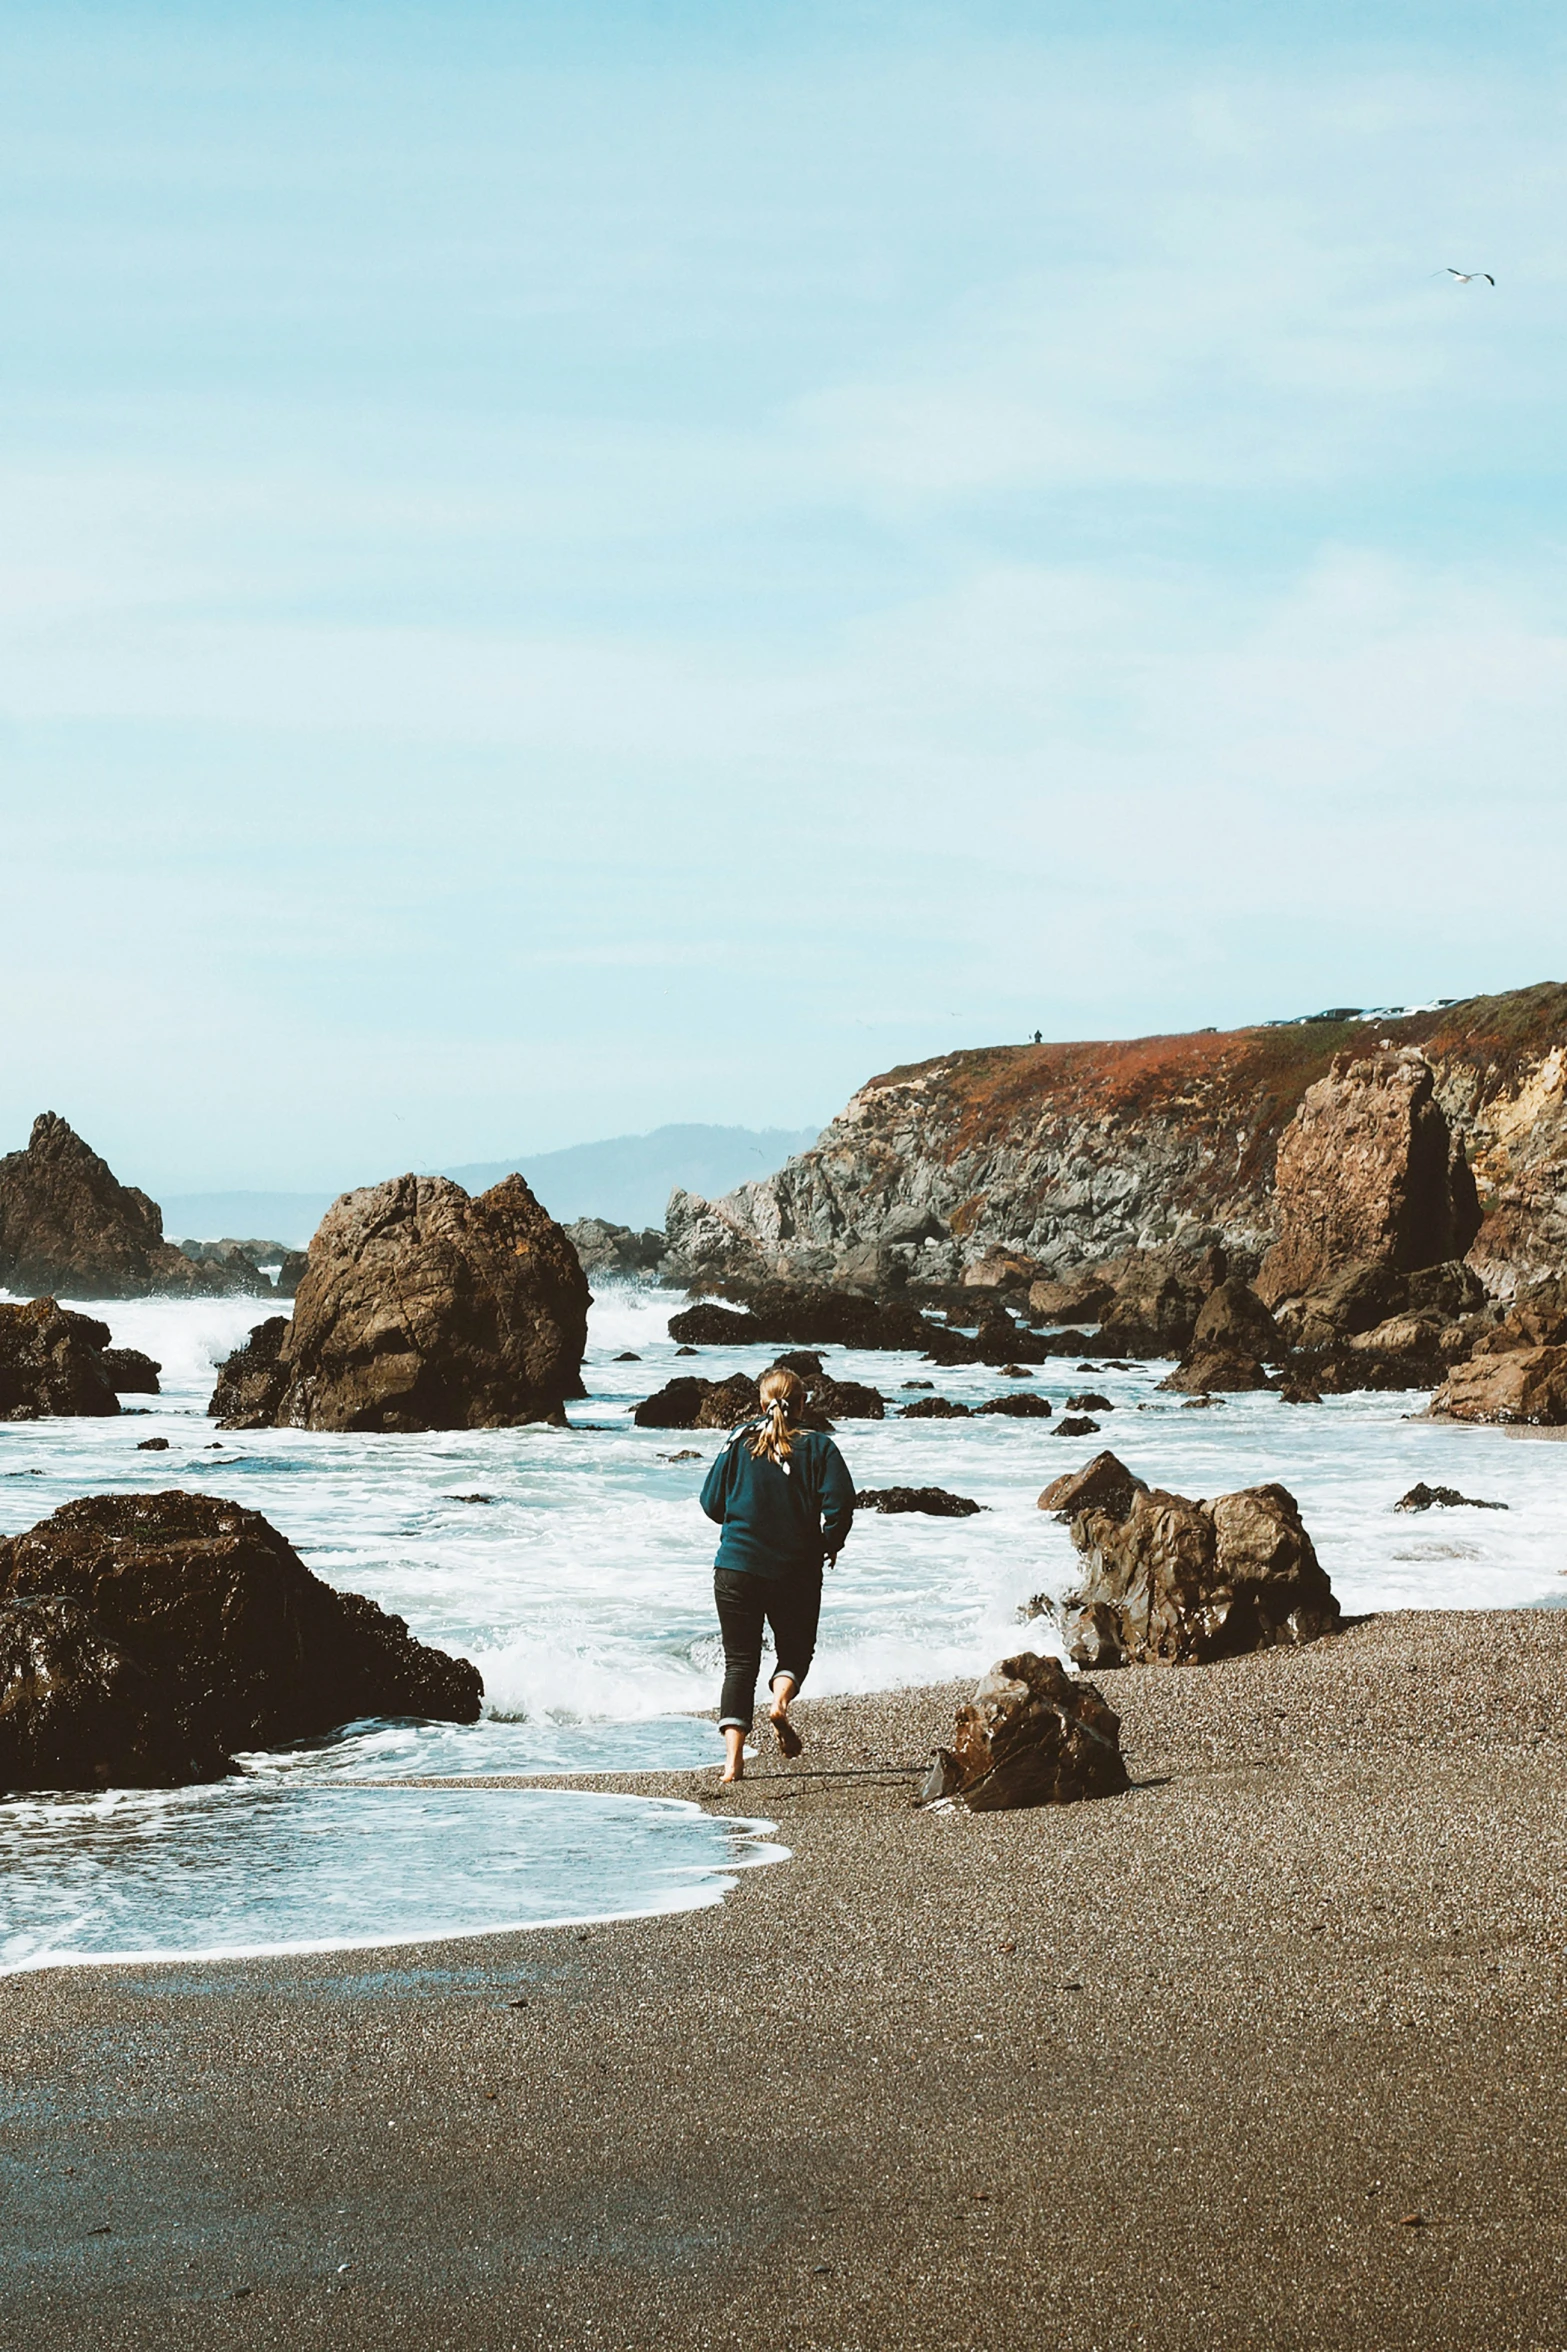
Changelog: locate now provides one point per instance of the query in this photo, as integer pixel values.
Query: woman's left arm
(837, 1501)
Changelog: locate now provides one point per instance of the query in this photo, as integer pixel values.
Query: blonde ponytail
(783, 1401)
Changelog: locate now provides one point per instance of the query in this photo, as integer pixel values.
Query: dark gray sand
(1266, 2053)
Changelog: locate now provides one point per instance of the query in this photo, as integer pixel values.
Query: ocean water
(574, 1567)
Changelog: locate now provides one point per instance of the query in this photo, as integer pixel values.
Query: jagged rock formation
(1070, 1154)
(1369, 1173)
(1182, 1581)
(130, 1373)
(421, 1308)
(1029, 1736)
(170, 1630)
(67, 1223)
(603, 1248)
(53, 1360)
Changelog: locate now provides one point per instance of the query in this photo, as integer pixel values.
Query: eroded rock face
(77, 1711)
(603, 1248)
(1232, 1320)
(130, 1373)
(53, 1360)
(1369, 1172)
(1167, 1578)
(67, 1223)
(238, 1644)
(1527, 1385)
(1030, 1735)
(421, 1308)
(1217, 1372)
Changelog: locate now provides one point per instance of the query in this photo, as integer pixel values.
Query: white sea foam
(582, 1586)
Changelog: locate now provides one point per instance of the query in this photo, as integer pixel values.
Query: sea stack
(68, 1224)
(421, 1307)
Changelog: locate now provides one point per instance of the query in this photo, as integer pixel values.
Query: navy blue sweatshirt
(777, 1522)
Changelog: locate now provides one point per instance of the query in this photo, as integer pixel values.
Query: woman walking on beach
(785, 1501)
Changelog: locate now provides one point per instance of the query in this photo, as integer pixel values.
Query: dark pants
(791, 1605)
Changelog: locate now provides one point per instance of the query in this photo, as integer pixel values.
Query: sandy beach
(1268, 2051)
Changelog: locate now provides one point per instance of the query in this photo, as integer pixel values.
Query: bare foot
(734, 1756)
(787, 1737)
(736, 1772)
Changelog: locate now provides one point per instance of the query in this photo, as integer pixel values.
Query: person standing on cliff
(783, 1496)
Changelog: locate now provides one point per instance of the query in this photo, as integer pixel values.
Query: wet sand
(1267, 2052)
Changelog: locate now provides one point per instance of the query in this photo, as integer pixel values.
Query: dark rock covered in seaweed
(238, 1644)
(78, 1712)
(421, 1308)
(1030, 1735)
(934, 1501)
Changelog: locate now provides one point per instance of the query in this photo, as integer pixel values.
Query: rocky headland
(421, 1307)
(1018, 1162)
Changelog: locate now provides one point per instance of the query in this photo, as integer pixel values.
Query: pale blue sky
(565, 569)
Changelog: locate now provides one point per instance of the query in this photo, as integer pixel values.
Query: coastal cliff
(1068, 1154)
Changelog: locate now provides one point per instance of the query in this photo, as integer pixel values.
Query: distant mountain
(628, 1179)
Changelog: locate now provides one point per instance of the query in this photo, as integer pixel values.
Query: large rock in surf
(1031, 1735)
(1368, 1171)
(53, 1360)
(1527, 1386)
(1170, 1579)
(690, 1403)
(76, 1710)
(237, 1645)
(67, 1223)
(421, 1308)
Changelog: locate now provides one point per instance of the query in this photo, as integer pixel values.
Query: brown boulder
(52, 1361)
(1031, 1735)
(1000, 1269)
(1368, 1170)
(1188, 1582)
(420, 1308)
(130, 1373)
(77, 1711)
(1104, 1484)
(1234, 1321)
(1076, 1298)
(844, 1400)
(1217, 1371)
(67, 1223)
(241, 1646)
(1527, 1385)
(1537, 1319)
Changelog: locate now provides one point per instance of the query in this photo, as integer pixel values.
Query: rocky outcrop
(1369, 1173)
(1422, 1498)
(605, 1249)
(1232, 1320)
(1066, 1155)
(244, 1260)
(76, 1710)
(690, 1403)
(934, 1501)
(1030, 1735)
(67, 1223)
(421, 1308)
(206, 1632)
(1217, 1372)
(812, 1317)
(1187, 1582)
(130, 1373)
(53, 1360)
(1527, 1386)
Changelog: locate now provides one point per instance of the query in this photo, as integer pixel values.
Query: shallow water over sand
(574, 1565)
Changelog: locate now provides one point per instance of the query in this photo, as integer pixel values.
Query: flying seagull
(1465, 277)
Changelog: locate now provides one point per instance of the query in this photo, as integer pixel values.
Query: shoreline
(1267, 2050)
